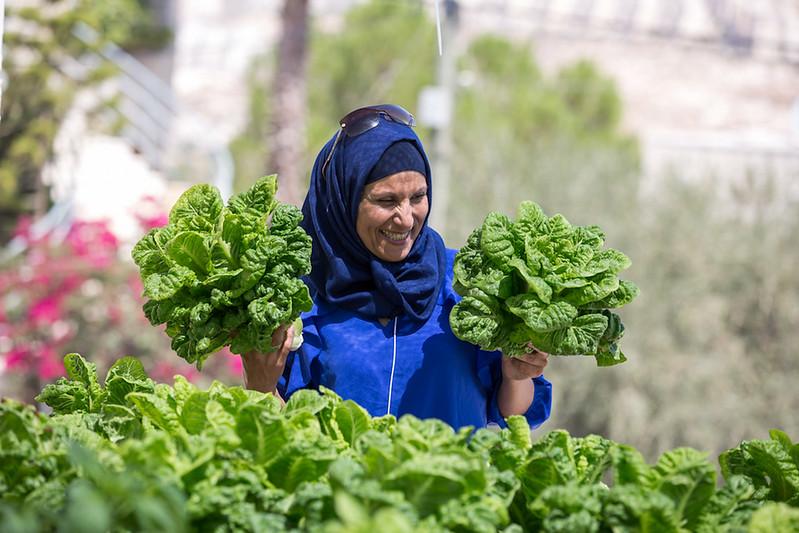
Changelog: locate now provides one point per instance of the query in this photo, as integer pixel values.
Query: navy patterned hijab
(343, 271)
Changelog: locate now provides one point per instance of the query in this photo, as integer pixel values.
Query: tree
(287, 135)
(519, 134)
(386, 54)
(400, 40)
(41, 63)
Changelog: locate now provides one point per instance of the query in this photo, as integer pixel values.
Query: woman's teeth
(395, 236)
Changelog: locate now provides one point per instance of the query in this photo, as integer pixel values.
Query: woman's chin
(394, 252)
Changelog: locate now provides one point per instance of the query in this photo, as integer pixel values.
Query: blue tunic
(404, 367)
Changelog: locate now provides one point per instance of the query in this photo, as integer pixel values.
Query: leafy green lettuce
(541, 280)
(221, 275)
(128, 454)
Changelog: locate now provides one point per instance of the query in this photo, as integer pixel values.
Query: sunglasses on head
(364, 119)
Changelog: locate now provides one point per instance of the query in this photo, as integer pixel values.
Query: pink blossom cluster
(34, 311)
(64, 286)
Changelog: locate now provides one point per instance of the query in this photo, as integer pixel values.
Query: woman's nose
(404, 215)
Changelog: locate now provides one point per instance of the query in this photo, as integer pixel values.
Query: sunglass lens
(398, 114)
(360, 125)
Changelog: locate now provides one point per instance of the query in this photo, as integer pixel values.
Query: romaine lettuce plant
(540, 280)
(221, 275)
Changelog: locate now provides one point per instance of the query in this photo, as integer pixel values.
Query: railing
(149, 108)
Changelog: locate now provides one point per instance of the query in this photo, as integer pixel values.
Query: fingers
(531, 363)
(278, 336)
(535, 357)
(533, 349)
(524, 367)
(283, 336)
(262, 371)
(288, 341)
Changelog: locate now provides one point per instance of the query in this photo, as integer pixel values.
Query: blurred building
(708, 86)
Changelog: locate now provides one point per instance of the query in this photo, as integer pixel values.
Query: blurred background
(672, 124)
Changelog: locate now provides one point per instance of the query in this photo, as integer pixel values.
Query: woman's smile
(394, 237)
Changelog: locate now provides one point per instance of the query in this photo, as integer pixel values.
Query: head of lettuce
(541, 280)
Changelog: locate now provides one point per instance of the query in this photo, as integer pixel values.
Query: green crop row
(132, 455)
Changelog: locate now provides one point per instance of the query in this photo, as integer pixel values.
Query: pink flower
(135, 284)
(71, 282)
(50, 366)
(17, 358)
(41, 279)
(149, 213)
(232, 361)
(191, 374)
(45, 311)
(114, 314)
(94, 242)
(157, 221)
(23, 228)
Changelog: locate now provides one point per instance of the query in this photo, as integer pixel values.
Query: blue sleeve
(489, 370)
(490, 373)
(298, 372)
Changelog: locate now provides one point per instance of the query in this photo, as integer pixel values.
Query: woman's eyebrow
(393, 194)
(377, 196)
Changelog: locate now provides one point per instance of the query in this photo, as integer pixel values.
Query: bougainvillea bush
(71, 290)
(129, 454)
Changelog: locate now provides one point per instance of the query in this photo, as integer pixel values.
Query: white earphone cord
(393, 364)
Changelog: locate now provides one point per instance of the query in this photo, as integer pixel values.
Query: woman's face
(391, 214)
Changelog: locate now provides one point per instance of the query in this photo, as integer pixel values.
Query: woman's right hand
(263, 370)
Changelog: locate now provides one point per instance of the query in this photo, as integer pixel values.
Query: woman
(381, 282)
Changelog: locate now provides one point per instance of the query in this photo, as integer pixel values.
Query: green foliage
(714, 257)
(540, 280)
(401, 44)
(775, 517)
(176, 457)
(250, 149)
(37, 45)
(520, 133)
(714, 260)
(771, 466)
(511, 126)
(225, 275)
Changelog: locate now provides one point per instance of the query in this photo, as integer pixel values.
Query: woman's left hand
(523, 367)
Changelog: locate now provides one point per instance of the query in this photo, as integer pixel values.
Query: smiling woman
(381, 282)
(393, 208)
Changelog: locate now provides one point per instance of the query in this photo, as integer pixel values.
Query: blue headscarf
(343, 271)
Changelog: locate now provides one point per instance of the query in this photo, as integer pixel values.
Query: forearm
(258, 378)
(260, 384)
(515, 396)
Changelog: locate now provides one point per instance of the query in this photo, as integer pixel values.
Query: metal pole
(441, 137)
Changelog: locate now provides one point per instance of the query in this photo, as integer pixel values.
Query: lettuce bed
(133, 455)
